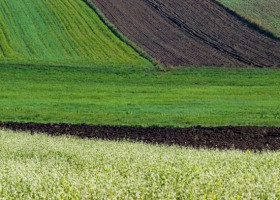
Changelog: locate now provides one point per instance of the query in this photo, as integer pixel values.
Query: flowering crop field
(43, 167)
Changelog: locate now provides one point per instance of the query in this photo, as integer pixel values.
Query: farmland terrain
(198, 33)
(113, 90)
(59, 33)
(65, 70)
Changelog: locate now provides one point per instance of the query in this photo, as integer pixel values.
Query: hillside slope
(59, 32)
(191, 32)
(262, 12)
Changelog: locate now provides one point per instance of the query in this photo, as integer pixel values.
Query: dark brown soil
(191, 33)
(242, 138)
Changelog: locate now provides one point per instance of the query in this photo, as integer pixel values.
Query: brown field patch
(191, 33)
(242, 138)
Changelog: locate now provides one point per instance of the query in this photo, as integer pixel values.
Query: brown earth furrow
(203, 37)
(191, 33)
(174, 14)
(242, 138)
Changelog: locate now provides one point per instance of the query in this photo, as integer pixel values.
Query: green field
(130, 96)
(264, 13)
(41, 167)
(63, 32)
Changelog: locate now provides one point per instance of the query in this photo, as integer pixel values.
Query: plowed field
(243, 138)
(191, 32)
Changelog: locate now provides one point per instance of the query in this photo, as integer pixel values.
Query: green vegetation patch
(42, 167)
(59, 32)
(129, 96)
(264, 13)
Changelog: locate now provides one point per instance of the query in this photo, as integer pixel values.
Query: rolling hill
(59, 32)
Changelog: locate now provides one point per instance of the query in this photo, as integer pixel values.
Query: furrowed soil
(191, 33)
(242, 138)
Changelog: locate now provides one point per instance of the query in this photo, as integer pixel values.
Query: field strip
(230, 137)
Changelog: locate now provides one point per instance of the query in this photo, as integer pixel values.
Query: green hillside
(59, 32)
(265, 13)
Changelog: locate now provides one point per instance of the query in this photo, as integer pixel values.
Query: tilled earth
(191, 32)
(242, 138)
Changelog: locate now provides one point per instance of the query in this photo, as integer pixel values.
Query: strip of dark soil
(191, 33)
(242, 138)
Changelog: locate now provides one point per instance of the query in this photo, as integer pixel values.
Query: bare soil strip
(242, 138)
(191, 33)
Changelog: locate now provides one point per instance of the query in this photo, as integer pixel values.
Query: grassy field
(130, 96)
(41, 167)
(262, 12)
(57, 33)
